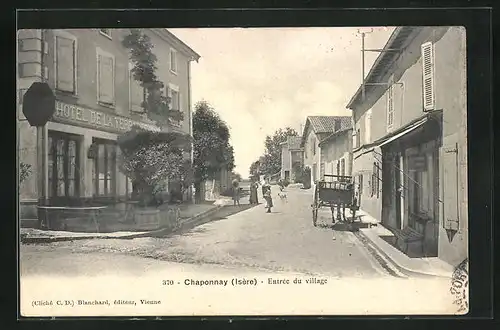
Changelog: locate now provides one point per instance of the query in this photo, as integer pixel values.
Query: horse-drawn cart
(338, 193)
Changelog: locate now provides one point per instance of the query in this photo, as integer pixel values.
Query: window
(427, 50)
(390, 106)
(358, 138)
(342, 167)
(338, 167)
(105, 78)
(173, 60)
(63, 165)
(104, 169)
(175, 101)
(105, 32)
(375, 180)
(322, 171)
(313, 146)
(65, 63)
(136, 91)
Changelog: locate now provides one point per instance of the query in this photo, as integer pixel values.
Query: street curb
(406, 271)
(158, 232)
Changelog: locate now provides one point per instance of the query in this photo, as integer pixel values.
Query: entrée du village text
(245, 281)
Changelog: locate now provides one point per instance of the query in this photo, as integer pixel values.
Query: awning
(393, 137)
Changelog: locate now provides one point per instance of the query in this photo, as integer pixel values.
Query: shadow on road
(344, 226)
(223, 213)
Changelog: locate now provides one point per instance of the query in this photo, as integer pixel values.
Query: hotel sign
(75, 115)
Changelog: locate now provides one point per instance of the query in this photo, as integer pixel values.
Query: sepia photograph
(242, 171)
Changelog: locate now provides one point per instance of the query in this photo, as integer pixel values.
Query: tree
(254, 169)
(148, 158)
(212, 150)
(156, 105)
(271, 161)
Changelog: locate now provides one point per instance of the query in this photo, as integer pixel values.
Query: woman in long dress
(253, 193)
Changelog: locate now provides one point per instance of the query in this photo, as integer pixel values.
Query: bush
(24, 171)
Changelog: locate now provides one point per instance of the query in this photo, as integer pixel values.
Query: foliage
(156, 104)
(212, 151)
(236, 176)
(271, 161)
(152, 158)
(254, 169)
(306, 178)
(24, 171)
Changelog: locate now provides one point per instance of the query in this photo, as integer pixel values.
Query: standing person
(253, 193)
(236, 192)
(266, 191)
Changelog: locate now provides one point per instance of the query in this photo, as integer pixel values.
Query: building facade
(291, 158)
(410, 138)
(97, 99)
(336, 153)
(316, 129)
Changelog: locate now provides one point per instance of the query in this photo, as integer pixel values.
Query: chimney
(337, 125)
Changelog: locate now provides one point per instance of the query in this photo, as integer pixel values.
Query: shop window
(63, 169)
(104, 169)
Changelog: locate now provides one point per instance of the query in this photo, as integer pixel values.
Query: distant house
(336, 152)
(291, 157)
(316, 129)
(410, 146)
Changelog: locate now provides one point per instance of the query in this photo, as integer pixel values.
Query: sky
(263, 79)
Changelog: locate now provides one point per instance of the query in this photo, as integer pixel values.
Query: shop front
(410, 189)
(83, 156)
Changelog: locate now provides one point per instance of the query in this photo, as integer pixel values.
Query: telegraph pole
(363, 65)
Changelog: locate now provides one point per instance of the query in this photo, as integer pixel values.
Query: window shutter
(450, 186)
(390, 106)
(106, 79)
(428, 75)
(65, 64)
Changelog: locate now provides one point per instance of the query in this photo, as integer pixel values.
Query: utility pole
(363, 65)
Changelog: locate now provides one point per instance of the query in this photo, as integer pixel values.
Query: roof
(177, 43)
(399, 39)
(333, 135)
(324, 124)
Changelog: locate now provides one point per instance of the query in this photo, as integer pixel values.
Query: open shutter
(65, 64)
(390, 106)
(450, 186)
(106, 79)
(428, 76)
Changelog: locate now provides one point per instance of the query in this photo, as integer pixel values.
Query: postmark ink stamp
(460, 287)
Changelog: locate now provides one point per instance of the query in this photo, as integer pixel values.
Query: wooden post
(42, 174)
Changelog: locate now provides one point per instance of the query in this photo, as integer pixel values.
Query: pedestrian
(266, 191)
(253, 193)
(236, 192)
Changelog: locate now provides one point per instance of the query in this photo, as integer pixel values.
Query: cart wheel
(315, 215)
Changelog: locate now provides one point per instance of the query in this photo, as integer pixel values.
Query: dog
(283, 197)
